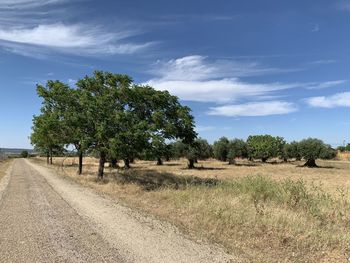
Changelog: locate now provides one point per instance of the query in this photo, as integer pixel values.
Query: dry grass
(265, 212)
(4, 165)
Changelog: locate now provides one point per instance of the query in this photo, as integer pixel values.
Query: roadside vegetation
(267, 212)
(255, 196)
(4, 165)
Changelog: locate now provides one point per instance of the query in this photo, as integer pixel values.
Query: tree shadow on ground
(153, 180)
(318, 167)
(245, 164)
(172, 164)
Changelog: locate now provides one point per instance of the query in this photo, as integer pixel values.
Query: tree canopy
(110, 115)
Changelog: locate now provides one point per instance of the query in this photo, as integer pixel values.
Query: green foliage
(221, 149)
(204, 149)
(237, 148)
(24, 154)
(292, 150)
(110, 116)
(344, 148)
(313, 148)
(265, 146)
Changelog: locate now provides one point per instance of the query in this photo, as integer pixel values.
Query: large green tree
(264, 147)
(101, 98)
(64, 102)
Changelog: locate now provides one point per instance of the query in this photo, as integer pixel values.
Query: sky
(244, 67)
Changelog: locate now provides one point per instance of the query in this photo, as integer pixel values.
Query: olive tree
(220, 149)
(311, 149)
(264, 147)
(292, 150)
(237, 148)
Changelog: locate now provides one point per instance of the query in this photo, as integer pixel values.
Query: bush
(24, 154)
(220, 149)
(236, 149)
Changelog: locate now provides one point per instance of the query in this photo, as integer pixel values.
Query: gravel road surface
(45, 218)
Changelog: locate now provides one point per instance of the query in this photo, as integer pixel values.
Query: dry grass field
(4, 164)
(274, 212)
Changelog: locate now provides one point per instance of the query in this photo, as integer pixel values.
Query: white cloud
(201, 68)
(26, 4)
(336, 100)
(219, 91)
(254, 109)
(200, 128)
(77, 39)
(196, 78)
(325, 85)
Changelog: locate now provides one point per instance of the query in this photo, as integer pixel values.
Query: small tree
(264, 147)
(220, 149)
(24, 154)
(292, 150)
(205, 150)
(236, 149)
(311, 149)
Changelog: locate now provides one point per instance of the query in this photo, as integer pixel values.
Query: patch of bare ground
(4, 175)
(274, 212)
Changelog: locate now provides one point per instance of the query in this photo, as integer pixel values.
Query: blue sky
(244, 67)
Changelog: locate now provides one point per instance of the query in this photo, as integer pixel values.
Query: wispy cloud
(324, 85)
(196, 78)
(200, 128)
(315, 27)
(322, 62)
(264, 108)
(343, 5)
(333, 101)
(31, 28)
(26, 4)
(77, 39)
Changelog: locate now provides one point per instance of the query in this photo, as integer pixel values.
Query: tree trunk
(51, 156)
(159, 161)
(311, 163)
(80, 163)
(232, 161)
(285, 160)
(114, 162)
(191, 163)
(131, 160)
(126, 163)
(48, 158)
(101, 165)
(195, 160)
(167, 159)
(264, 159)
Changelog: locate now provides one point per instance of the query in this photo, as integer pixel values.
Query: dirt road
(44, 218)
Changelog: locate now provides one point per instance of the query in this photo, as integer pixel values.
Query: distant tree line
(261, 147)
(344, 148)
(109, 116)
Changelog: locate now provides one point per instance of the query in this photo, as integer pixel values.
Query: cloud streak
(253, 109)
(75, 39)
(196, 78)
(27, 4)
(333, 101)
